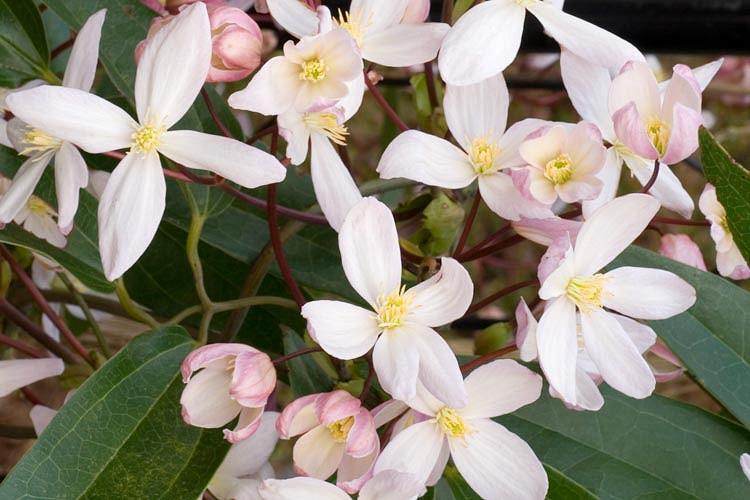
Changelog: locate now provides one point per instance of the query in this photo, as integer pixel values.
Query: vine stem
(230, 305)
(389, 111)
(100, 339)
(214, 115)
(278, 249)
(652, 180)
(296, 354)
(131, 308)
(21, 346)
(490, 356)
(473, 255)
(429, 77)
(46, 308)
(469, 223)
(500, 294)
(681, 222)
(490, 239)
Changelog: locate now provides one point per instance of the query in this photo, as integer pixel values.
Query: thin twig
(491, 238)
(133, 309)
(681, 222)
(36, 332)
(214, 115)
(278, 249)
(468, 224)
(370, 377)
(500, 245)
(652, 180)
(21, 347)
(490, 356)
(500, 294)
(62, 47)
(429, 78)
(289, 213)
(292, 355)
(389, 111)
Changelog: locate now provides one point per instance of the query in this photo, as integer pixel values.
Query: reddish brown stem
(653, 178)
(681, 222)
(489, 239)
(389, 111)
(278, 249)
(17, 317)
(284, 211)
(292, 355)
(490, 356)
(429, 77)
(500, 294)
(215, 116)
(262, 133)
(21, 347)
(467, 225)
(114, 154)
(368, 381)
(500, 245)
(62, 47)
(32, 397)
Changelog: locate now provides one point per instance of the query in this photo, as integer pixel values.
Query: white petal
(71, 174)
(353, 99)
(745, 464)
(588, 89)
(611, 229)
(609, 176)
(130, 211)
(442, 461)
(41, 416)
(477, 111)
(396, 361)
(22, 187)
(84, 55)
(294, 16)
(392, 485)
(414, 450)
(667, 188)
(334, 187)
(643, 336)
(513, 138)
(247, 166)
(438, 368)
(369, 247)
(4, 139)
(444, 297)
(316, 454)
(271, 91)
(404, 45)
(43, 227)
(585, 39)
(588, 396)
(526, 332)
(498, 464)
(86, 120)
(482, 43)
(558, 347)
(17, 373)
(250, 455)
(173, 67)
(502, 196)
(704, 74)
(300, 487)
(647, 293)
(427, 159)
(343, 330)
(500, 387)
(377, 13)
(296, 134)
(205, 400)
(615, 355)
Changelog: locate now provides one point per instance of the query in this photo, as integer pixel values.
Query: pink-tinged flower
(237, 43)
(729, 260)
(313, 70)
(386, 485)
(745, 464)
(682, 248)
(35, 216)
(231, 380)
(486, 39)
(476, 115)
(653, 125)
(338, 434)
(17, 373)
(171, 72)
(494, 462)
(564, 162)
(577, 285)
(399, 325)
(33, 138)
(662, 351)
(246, 464)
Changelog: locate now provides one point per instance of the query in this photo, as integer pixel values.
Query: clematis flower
(388, 485)
(338, 434)
(42, 145)
(231, 380)
(681, 248)
(745, 464)
(476, 116)
(35, 216)
(494, 462)
(486, 39)
(729, 260)
(654, 126)
(17, 373)
(171, 72)
(313, 70)
(400, 323)
(577, 285)
(563, 162)
(246, 464)
(588, 87)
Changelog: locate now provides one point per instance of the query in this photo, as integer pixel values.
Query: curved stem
(214, 115)
(508, 242)
(387, 109)
(295, 354)
(500, 294)
(652, 180)
(489, 239)
(468, 224)
(681, 222)
(290, 213)
(131, 308)
(490, 356)
(21, 347)
(278, 249)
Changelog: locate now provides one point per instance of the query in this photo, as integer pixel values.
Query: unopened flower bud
(237, 44)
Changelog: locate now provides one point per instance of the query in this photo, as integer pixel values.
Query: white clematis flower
(41, 146)
(577, 284)
(36, 217)
(400, 323)
(729, 260)
(17, 373)
(171, 72)
(486, 39)
(388, 485)
(495, 462)
(476, 115)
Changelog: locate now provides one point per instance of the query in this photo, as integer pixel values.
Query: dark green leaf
(712, 338)
(561, 487)
(459, 488)
(23, 46)
(732, 182)
(305, 374)
(121, 434)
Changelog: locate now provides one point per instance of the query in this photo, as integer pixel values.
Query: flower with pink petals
(654, 125)
(564, 162)
(729, 260)
(337, 434)
(682, 248)
(231, 380)
(237, 43)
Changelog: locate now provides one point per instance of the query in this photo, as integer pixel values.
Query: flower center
(313, 70)
(452, 423)
(39, 207)
(36, 140)
(559, 169)
(147, 138)
(526, 3)
(586, 292)
(328, 124)
(658, 131)
(392, 309)
(340, 429)
(483, 155)
(353, 25)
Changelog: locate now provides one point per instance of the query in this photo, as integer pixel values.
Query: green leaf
(23, 45)
(649, 448)
(732, 182)
(305, 374)
(712, 338)
(121, 434)
(561, 487)
(460, 489)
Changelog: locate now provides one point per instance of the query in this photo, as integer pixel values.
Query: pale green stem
(133, 309)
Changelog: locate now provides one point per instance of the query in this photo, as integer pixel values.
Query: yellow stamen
(39, 207)
(353, 25)
(340, 429)
(313, 70)
(586, 292)
(36, 140)
(483, 155)
(147, 138)
(452, 423)
(328, 124)
(392, 309)
(658, 131)
(559, 169)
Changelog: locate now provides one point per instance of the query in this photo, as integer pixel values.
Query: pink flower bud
(682, 249)
(231, 380)
(237, 44)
